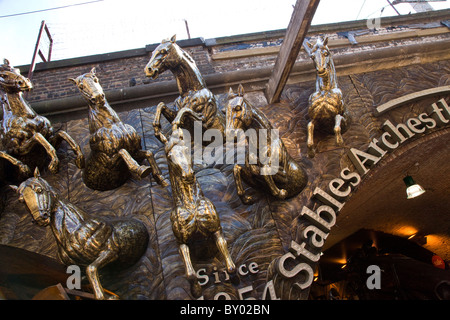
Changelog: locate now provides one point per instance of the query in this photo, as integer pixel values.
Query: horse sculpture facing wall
(288, 177)
(194, 215)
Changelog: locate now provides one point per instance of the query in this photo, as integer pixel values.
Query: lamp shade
(412, 188)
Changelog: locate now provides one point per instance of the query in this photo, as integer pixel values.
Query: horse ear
(6, 62)
(72, 80)
(174, 38)
(13, 187)
(325, 41)
(241, 90)
(37, 174)
(93, 70)
(230, 92)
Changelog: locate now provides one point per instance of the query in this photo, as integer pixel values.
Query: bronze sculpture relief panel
(115, 146)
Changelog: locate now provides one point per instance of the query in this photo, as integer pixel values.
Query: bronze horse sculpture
(194, 94)
(115, 146)
(326, 106)
(283, 179)
(25, 135)
(84, 240)
(194, 216)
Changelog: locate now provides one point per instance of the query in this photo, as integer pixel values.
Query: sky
(88, 27)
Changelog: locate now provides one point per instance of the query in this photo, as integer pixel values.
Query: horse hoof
(80, 162)
(196, 289)
(25, 170)
(143, 171)
(247, 199)
(282, 194)
(163, 182)
(54, 167)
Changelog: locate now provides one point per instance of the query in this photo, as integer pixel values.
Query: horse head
(320, 54)
(11, 80)
(163, 57)
(90, 88)
(39, 198)
(179, 156)
(239, 111)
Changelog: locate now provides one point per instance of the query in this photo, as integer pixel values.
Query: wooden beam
(298, 27)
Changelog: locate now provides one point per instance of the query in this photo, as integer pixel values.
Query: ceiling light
(412, 188)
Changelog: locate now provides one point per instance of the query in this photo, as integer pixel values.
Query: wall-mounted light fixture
(413, 189)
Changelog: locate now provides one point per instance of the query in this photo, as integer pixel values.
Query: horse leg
(276, 192)
(156, 172)
(103, 259)
(310, 141)
(24, 169)
(237, 172)
(222, 246)
(62, 135)
(39, 138)
(337, 129)
(134, 167)
(168, 113)
(191, 275)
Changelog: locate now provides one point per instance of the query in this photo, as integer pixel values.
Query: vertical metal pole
(36, 48)
(50, 47)
(187, 28)
(393, 7)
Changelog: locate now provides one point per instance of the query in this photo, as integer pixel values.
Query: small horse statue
(284, 179)
(25, 135)
(114, 144)
(326, 106)
(194, 94)
(194, 216)
(82, 239)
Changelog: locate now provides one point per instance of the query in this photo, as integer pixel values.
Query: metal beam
(298, 27)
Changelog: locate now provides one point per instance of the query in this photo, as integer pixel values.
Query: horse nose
(99, 98)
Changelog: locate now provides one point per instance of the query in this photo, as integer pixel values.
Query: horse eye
(38, 189)
(95, 79)
(163, 51)
(80, 86)
(238, 108)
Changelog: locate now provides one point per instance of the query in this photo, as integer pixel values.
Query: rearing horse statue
(194, 216)
(326, 106)
(82, 239)
(283, 179)
(114, 144)
(24, 133)
(194, 94)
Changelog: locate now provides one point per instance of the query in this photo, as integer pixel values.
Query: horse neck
(18, 106)
(329, 80)
(259, 119)
(65, 219)
(101, 117)
(187, 75)
(184, 194)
